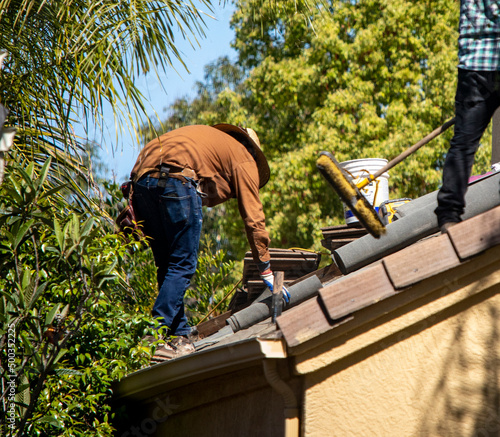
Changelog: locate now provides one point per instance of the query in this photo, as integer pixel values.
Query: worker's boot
(178, 347)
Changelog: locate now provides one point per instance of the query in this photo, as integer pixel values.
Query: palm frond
(69, 58)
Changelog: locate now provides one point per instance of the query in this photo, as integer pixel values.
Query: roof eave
(162, 377)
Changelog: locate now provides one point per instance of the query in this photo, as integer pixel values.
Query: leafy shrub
(70, 324)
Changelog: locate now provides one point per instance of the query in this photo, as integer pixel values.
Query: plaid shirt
(479, 41)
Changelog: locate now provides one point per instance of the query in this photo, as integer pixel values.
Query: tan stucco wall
(437, 377)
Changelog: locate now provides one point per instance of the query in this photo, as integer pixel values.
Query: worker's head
(250, 140)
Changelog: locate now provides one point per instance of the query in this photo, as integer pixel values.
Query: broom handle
(406, 153)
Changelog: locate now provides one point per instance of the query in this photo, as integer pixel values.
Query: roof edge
(201, 365)
(419, 306)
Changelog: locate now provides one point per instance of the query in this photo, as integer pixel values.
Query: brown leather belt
(175, 172)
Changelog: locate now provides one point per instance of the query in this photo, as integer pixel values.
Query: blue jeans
(477, 98)
(172, 219)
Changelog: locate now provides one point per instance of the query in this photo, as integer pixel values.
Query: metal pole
(495, 137)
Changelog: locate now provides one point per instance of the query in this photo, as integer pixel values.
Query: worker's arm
(252, 213)
(246, 187)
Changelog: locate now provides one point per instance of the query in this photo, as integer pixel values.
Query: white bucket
(375, 192)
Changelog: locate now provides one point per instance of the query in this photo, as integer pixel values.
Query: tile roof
(416, 220)
(409, 280)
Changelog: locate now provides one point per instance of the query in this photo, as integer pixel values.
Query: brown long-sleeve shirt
(225, 169)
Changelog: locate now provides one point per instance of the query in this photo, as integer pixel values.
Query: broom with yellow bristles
(350, 193)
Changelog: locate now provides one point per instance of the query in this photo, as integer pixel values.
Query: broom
(350, 193)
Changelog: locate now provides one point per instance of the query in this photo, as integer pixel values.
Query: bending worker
(477, 98)
(173, 176)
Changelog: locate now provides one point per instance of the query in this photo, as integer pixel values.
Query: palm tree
(69, 58)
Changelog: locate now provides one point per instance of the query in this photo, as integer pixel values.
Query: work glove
(268, 279)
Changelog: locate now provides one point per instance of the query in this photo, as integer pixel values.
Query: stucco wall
(438, 377)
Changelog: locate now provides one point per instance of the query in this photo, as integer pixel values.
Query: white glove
(268, 279)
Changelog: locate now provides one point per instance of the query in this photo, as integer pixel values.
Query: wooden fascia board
(334, 302)
(304, 322)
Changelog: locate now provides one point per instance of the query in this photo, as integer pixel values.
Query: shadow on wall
(437, 376)
(466, 400)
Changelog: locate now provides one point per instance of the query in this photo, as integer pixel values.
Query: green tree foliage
(69, 325)
(364, 79)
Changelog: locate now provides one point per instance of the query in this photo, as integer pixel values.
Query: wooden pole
(277, 301)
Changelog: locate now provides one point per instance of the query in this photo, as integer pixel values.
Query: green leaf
(39, 291)
(59, 234)
(64, 312)
(20, 234)
(87, 226)
(61, 353)
(75, 228)
(44, 171)
(64, 372)
(51, 420)
(49, 317)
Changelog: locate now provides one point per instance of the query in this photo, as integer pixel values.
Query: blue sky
(174, 84)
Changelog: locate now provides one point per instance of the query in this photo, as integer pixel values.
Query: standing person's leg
(474, 107)
(181, 218)
(172, 219)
